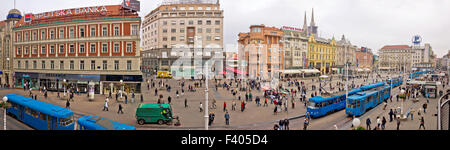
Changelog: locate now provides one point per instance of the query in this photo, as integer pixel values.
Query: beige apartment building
(6, 50)
(176, 29)
(345, 53)
(295, 46)
(395, 58)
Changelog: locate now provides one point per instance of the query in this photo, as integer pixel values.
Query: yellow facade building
(321, 54)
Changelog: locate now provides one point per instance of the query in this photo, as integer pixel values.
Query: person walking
(177, 94)
(383, 123)
(286, 124)
(126, 99)
(201, 107)
(169, 99)
(422, 123)
(398, 124)
(120, 109)
(142, 98)
(390, 115)
(224, 106)
(185, 103)
(227, 118)
(265, 103)
(68, 104)
(233, 106)
(105, 108)
(378, 122)
(305, 124)
(132, 97)
(281, 123)
(425, 105)
(368, 122)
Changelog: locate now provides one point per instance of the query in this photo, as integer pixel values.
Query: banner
(133, 5)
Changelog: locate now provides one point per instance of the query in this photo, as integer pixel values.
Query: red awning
(235, 70)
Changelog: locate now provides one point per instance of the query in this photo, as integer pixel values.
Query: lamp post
(64, 85)
(121, 91)
(356, 122)
(4, 106)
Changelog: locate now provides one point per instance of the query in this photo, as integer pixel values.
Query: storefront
(55, 82)
(129, 84)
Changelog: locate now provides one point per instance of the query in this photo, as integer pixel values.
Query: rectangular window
(174, 22)
(34, 36)
(92, 64)
(43, 35)
(19, 51)
(200, 22)
(72, 65)
(82, 49)
(129, 65)
(18, 64)
(134, 29)
(19, 37)
(105, 65)
(181, 30)
(217, 30)
(61, 65)
(105, 31)
(191, 22)
(116, 31)
(164, 30)
(199, 30)
(61, 49)
(92, 48)
(71, 33)
(52, 34)
(52, 49)
(217, 22)
(43, 50)
(61, 33)
(34, 50)
(93, 31)
(129, 48)
(52, 65)
(116, 65)
(116, 48)
(43, 64)
(208, 30)
(181, 22)
(71, 49)
(105, 48)
(27, 37)
(82, 65)
(208, 22)
(34, 64)
(174, 30)
(26, 50)
(173, 38)
(81, 32)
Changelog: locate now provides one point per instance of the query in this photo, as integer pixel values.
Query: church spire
(312, 19)
(305, 25)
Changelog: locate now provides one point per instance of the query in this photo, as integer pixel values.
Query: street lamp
(356, 122)
(64, 85)
(4, 105)
(121, 91)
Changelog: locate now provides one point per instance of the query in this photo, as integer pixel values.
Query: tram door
(21, 110)
(362, 105)
(51, 123)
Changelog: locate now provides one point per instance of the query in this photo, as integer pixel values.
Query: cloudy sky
(371, 23)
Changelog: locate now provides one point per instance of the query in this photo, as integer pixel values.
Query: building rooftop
(396, 47)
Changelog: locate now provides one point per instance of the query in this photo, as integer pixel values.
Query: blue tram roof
(368, 87)
(320, 99)
(361, 95)
(46, 108)
(98, 123)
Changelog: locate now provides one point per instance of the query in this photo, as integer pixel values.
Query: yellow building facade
(321, 54)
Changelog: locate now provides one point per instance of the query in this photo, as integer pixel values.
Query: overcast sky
(370, 23)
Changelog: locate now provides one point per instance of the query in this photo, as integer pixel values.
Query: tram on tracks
(361, 102)
(91, 122)
(39, 115)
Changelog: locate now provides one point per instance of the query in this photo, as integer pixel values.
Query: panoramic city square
(187, 65)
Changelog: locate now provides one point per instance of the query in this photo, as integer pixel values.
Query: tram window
(34, 113)
(42, 116)
(28, 111)
(357, 103)
(65, 121)
(14, 105)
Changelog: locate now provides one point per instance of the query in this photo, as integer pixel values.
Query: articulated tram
(361, 102)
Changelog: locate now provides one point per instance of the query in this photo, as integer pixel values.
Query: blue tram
(417, 74)
(40, 115)
(321, 106)
(91, 122)
(395, 81)
(361, 102)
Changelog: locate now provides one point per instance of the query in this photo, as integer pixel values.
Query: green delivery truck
(154, 113)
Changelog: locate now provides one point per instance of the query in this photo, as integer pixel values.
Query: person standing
(142, 98)
(185, 103)
(305, 124)
(281, 123)
(425, 105)
(398, 124)
(120, 109)
(227, 118)
(286, 124)
(201, 107)
(368, 122)
(378, 122)
(106, 105)
(422, 123)
(68, 104)
(132, 97)
(233, 106)
(383, 123)
(224, 106)
(169, 99)
(126, 99)
(390, 115)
